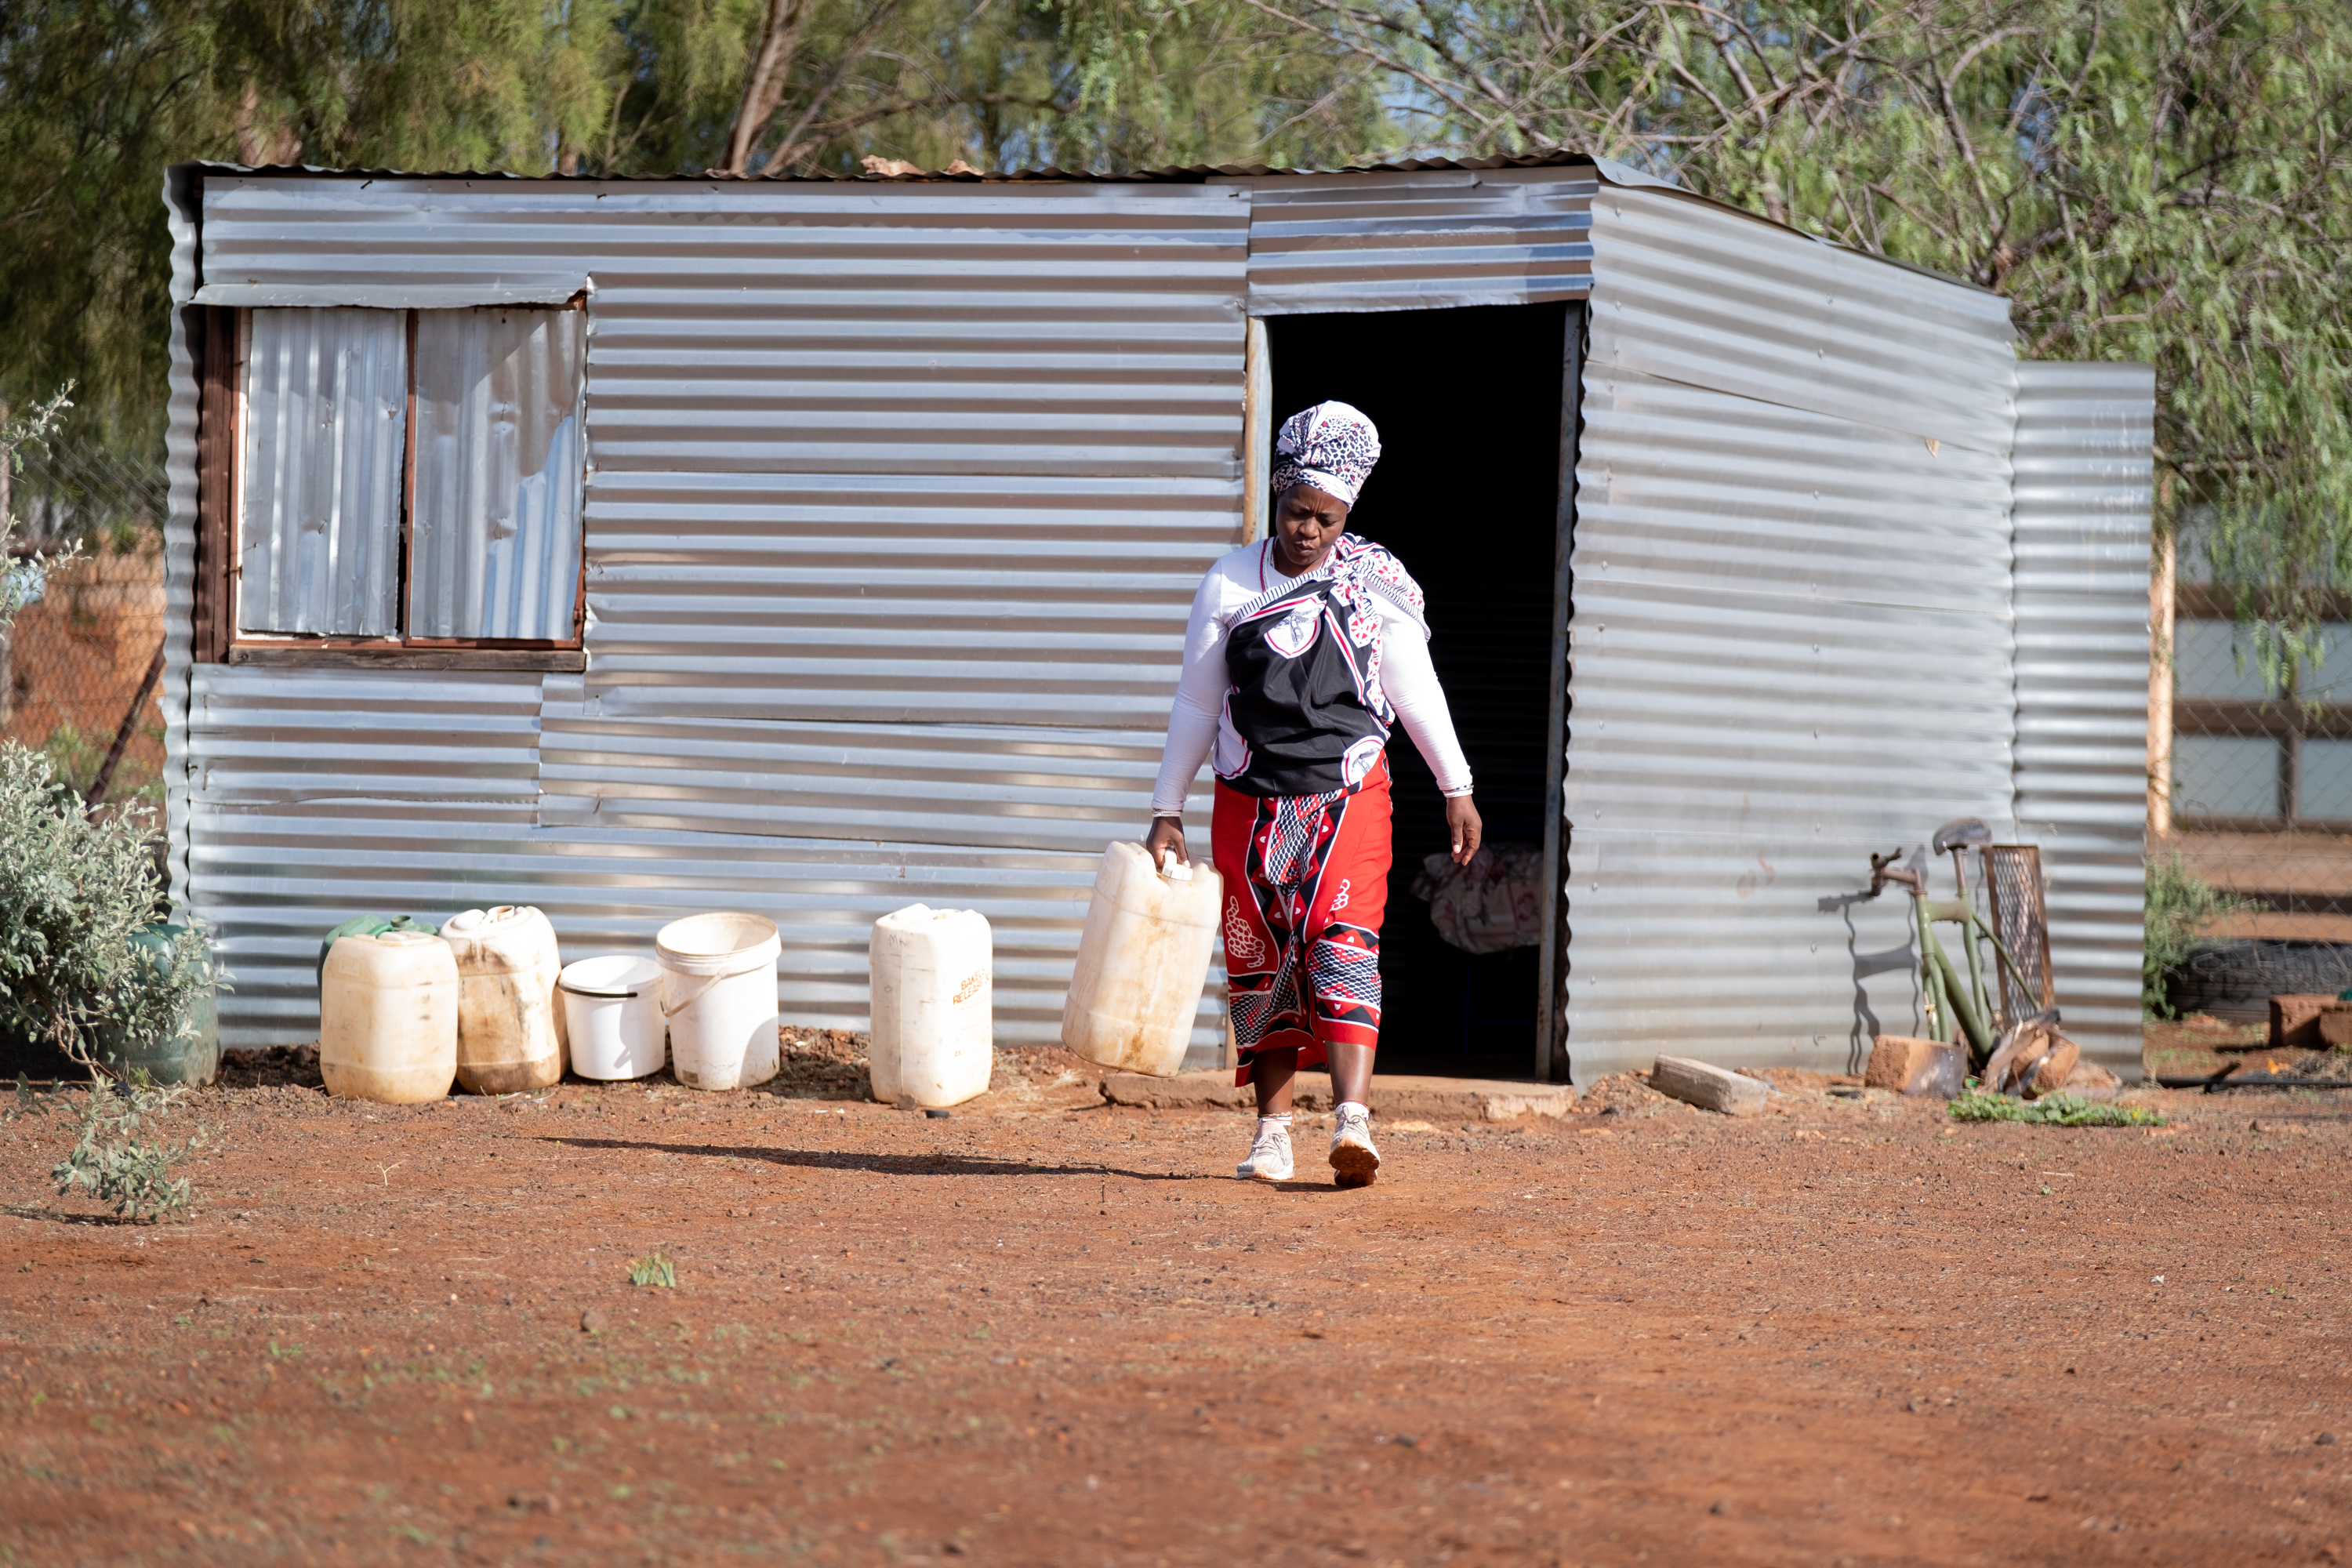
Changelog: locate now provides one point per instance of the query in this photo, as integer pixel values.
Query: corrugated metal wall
(1792, 635)
(1426, 240)
(878, 472)
(2085, 488)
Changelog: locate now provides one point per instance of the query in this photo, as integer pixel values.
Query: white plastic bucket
(718, 994)
(612, 1008)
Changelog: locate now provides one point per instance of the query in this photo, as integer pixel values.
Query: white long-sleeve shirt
(1197, 723)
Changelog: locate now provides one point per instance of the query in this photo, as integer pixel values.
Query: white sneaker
(1354, 1160)
(1269, 1155)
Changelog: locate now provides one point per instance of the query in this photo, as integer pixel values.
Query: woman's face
(1307, 523)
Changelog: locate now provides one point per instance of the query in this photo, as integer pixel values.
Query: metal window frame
(221, 334)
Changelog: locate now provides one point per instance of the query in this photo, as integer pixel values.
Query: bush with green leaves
(2182, 911)
(75, 892)
(109, 1160)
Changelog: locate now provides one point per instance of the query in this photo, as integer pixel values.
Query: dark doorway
(1468, 405)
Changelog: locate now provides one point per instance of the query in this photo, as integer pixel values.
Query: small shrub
(76, 893)
(2056, 1110)
(110, 1160)
(653, 1269)
(2182, 911)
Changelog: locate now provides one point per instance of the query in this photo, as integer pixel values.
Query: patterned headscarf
(1331, 446)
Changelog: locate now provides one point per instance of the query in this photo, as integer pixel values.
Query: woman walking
(1302, 650)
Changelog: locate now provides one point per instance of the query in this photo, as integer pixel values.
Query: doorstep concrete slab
(1397, 1098)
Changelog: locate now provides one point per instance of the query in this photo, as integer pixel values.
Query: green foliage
(76, 893)
(2167, 180)
(21, 581)
(110, 1160)
(2056, 1110)
(653, 1269)
(2182, 911)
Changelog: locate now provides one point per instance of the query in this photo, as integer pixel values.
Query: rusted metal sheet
(2085, 471)
(1422, 240)
(501, 464)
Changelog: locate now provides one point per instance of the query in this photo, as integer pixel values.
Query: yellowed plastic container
(1143, 959)
(934, 980)
(388, 1018)
(510, 1023)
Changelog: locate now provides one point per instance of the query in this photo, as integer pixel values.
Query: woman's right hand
(1166, 833)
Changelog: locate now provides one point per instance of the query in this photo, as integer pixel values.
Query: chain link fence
(2251, 790)
(80, 667)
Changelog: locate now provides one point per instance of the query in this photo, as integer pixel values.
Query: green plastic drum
(192, 1053)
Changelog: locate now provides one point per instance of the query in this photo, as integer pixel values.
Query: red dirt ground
(1046, 1331)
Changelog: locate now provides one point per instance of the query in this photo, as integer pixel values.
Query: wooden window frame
(219, 337)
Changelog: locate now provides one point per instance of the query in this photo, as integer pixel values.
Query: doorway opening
(1466, 495)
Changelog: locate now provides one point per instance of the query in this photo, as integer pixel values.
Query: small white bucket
(612, 1008)
(718, 992)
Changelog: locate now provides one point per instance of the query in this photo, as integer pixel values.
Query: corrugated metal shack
(632, 548)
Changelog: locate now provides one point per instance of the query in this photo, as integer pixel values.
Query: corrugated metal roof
(1791, 637)
(1165, 173)
(1425, 240)
(2085, 488)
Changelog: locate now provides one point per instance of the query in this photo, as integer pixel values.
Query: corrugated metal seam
(1791, 637)
(2085, 488)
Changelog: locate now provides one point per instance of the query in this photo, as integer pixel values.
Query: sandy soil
(1045, 1331)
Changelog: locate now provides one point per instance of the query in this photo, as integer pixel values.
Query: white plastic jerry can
(1142, 961)
(932, 1035)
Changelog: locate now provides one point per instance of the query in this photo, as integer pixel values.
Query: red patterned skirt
(1306, 880)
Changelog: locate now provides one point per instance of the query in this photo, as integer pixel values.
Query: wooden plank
(213, 340)
(557, 660)
(1709, 1087)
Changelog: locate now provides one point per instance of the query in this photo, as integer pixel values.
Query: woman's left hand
(1462, 828)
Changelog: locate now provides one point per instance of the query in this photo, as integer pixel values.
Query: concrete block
(1709, 1087)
